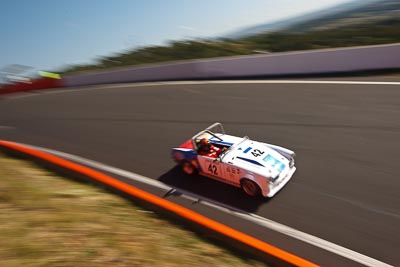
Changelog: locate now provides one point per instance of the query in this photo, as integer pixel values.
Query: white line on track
(151, 84)
(324, 82)
(248, 82)
(267, 223)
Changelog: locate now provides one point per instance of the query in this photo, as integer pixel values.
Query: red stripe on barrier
(170, 206)
(42, 83)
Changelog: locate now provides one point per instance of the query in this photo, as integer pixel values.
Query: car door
(232, 174)
(212, 167)
(221, 171)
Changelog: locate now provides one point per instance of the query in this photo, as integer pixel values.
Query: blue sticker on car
(247, 150)
(274, 163)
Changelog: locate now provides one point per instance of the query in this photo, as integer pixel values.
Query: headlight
(291, 164)
(273, 179)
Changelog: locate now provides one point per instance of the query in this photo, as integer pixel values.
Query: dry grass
(47, 220)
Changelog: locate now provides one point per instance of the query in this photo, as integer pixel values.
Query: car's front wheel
(250, 188)
(188, 168)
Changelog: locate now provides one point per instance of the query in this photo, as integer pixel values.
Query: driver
(208, 149)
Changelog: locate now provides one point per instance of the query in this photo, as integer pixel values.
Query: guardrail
(352, 59)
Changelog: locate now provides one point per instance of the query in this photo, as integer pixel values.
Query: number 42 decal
(213, 169)
(257, 152)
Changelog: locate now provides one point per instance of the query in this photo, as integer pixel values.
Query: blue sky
(48, 34)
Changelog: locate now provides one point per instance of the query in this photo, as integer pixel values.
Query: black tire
(188, 168)
(250, 188)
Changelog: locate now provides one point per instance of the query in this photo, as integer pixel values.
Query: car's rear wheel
(250, 188)
(188, 168)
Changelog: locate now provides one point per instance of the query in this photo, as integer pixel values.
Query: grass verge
(48, 220)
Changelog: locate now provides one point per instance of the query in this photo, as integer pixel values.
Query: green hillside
(375, 23)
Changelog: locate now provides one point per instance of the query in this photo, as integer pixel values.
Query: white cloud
(187, 28)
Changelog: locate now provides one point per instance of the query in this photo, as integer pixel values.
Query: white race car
(258, 168)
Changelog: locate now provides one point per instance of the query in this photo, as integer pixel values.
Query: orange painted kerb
(168, 205)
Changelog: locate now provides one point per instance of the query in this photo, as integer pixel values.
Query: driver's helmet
(205, 144)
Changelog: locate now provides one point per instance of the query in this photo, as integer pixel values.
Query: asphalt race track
(346, 136)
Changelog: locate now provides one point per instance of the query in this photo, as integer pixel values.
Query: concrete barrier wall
(304, 62)
(177, 71)
(308, 62)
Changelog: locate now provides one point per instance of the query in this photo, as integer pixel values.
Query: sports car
(258, 168)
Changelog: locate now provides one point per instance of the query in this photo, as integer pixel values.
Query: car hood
(258, 157)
